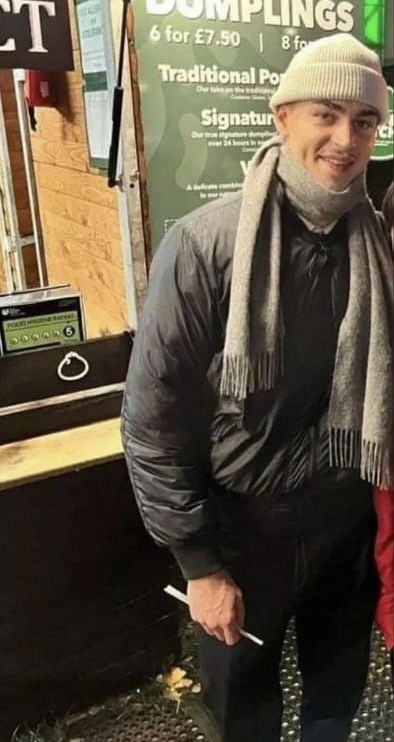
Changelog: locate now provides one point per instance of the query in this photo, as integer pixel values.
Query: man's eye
(364, 124)
(324, 115)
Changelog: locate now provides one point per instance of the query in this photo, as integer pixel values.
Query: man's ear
(281, 117)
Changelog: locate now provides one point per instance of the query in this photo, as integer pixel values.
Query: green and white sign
(384, 145)
(207, 71)
(97, 69)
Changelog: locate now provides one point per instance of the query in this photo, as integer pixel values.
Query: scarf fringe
(348, 450)
(242, 376)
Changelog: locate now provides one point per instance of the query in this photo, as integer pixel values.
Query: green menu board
(384, 145)
(207, 70)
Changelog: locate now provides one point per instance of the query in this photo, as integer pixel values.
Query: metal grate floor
(154, 723)
(151, 727)
(374, 721)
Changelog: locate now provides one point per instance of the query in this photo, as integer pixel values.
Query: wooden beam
(57, 453)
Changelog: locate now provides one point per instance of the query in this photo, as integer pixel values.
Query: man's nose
(344, 135)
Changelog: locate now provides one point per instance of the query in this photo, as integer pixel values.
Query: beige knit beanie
(337, 67)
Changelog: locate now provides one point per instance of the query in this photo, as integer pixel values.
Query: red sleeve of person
(384, 554)
(384, 506)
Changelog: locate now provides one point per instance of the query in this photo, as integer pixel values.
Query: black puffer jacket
(181, 440)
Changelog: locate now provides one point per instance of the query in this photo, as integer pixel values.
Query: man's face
(332, 139)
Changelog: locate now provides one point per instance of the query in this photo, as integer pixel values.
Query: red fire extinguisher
(39, 91)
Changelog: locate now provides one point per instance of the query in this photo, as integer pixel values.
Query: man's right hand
(216, 603)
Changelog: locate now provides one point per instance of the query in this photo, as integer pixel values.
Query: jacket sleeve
(165, 417)
(384, 556)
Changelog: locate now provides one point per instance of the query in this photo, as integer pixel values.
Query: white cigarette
(170, 590)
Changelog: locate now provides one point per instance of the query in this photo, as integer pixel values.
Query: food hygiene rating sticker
(384, 146)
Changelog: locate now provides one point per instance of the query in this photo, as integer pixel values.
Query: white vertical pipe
(128, 199)
(15, 271)
(30, 177)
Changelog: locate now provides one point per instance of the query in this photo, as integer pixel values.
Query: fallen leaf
(175, 683)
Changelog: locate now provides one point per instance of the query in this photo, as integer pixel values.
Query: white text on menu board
(325, 14)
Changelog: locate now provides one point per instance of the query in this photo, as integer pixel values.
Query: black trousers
(308, 554)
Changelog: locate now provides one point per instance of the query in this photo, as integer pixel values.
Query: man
(254, 420)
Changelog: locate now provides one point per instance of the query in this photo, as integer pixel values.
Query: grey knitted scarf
(361, 403)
